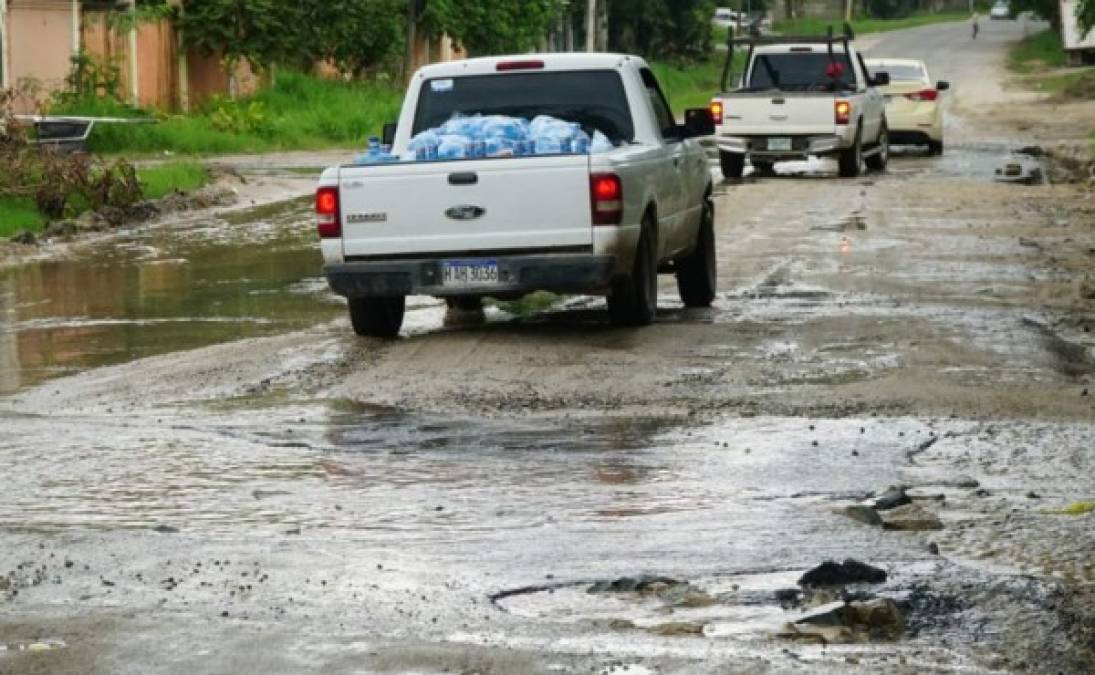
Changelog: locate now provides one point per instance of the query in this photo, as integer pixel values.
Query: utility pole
(591, 25)
(602, 25)
(5, 51)
(412, 19)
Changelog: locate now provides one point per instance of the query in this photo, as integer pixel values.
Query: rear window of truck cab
(802, 70)
(593, 98)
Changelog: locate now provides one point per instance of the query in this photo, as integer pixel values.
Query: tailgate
(774, 113)
(466, 206)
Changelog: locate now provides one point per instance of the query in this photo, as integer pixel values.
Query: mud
(267, 493)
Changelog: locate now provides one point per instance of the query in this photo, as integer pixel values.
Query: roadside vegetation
(1039, 61)
(864, 25)
(296, 111)
(22, 213)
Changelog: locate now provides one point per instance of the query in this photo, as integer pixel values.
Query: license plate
(469, 273)
(779, 143)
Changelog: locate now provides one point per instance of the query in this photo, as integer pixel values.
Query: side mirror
(942, 85)
(880, 79)
(388, 135)
(698, 123)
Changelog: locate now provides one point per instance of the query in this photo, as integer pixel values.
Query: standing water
(159, 290)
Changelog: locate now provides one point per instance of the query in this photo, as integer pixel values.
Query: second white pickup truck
(802, 96)
(605, 223)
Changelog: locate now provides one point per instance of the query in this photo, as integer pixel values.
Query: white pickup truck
(802, 96)
(604, 223)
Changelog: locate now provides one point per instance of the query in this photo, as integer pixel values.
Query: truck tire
(697, 274)
(377, 317)
(877, 161)
(733, 164)
(633, 298)
(851, 159)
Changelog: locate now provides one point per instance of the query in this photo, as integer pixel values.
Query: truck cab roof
(529, 63)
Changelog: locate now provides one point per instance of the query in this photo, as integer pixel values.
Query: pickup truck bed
(464, 229)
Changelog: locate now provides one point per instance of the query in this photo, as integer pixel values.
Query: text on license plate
(469, 273)
(779, 143)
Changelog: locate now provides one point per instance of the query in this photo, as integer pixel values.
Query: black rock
(850, 571)
(638, 584)
(891, 499)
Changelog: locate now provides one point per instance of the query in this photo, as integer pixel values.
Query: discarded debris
(891, 499)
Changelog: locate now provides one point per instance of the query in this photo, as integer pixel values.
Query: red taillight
(716, 112)
(842, 112)
(519, 65)
(606, 194)
(328, 220)
(923, 95)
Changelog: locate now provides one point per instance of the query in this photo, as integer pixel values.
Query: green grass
(693, 85)
(161, 180)
(1037, 52)
(17, 215)
(298, 112)
(861, 26)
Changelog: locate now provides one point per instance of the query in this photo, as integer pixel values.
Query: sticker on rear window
(441, 85)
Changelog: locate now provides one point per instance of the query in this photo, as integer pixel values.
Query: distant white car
(914, 105)
(1001, 10)
(727, 17)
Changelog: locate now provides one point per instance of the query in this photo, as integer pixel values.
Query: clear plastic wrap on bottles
(484, 136)
(452, 146)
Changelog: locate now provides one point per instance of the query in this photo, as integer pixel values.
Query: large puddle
(159, 290)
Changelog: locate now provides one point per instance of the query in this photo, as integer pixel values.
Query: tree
(1085, 12)
(673, 28)
(493, 26)
(1050, 10)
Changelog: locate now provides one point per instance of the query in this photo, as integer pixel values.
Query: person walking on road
(976, 28)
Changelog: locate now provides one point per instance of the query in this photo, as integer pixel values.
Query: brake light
(923, 95)
(842, 112)
(519, 65)
(716, 111)
(606, 194)
(328, 214)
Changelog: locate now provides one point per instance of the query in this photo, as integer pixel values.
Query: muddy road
(205, 472)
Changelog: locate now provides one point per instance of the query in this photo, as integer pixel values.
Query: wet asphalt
(205, 473)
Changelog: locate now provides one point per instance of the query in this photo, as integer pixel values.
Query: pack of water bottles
(481, 136)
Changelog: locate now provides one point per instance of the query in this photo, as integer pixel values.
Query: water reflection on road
(159, 290)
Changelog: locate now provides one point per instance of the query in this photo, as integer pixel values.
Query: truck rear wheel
(633, 299)
(377, 317)
(733, 164)
(878, 160)
(851, 159)
(697, 274)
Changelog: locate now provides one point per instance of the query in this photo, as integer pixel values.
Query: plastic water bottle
(373, 150)
(580, 143)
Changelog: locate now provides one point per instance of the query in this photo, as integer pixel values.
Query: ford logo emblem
(465, 212)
